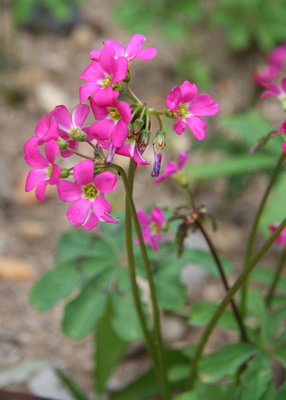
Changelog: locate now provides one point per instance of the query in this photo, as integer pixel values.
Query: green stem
(237, 285)
(252, 236)
(276, 278)
(156, 316)
(132, 270)
(224, 281)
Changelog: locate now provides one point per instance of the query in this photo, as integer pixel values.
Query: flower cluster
(272, 77)
(120, 124)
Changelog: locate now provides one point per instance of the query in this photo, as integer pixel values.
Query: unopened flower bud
(118, 86)
(62, 143)
(158, 146)
(138, 124)
(78, 134)
(65, 173)
(144, 139)
(159, 141)
(169, 113)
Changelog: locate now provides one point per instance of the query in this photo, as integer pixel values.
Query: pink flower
(172, 168)
(276, 60)
(187, 106)
(89, 204)
(128, 149)
(113, 117)
(151, 227)
(45, 131)
(46, 172)
(72, 128)
(104, 73)
(281, 239)
(133, 49)
(275, 90)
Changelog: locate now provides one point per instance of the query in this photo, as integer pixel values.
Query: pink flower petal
(120, 69)
(102, 130)
(106, 59)
(91, 221)
(93, 73)
(106, 97)
(34, 178)
(80, 114)
(119, 133)
(55, 175)
(51, 151)
(179, 127)
(154, 240)
(62, 117)
(174, 98)
(94, 55)
(41, 190)
(134, 45)
(105, 182)
(83, 172)
(124, 111)
(189, 92)
(183, 157)
(203, 105)
(101, 206)
(35, 158)
(197, 126)
(86, 90)
(119, 49)
(147, 54)
(77, 212)
(68, 191)
(158, 216)
(99, 112)
(143, 218)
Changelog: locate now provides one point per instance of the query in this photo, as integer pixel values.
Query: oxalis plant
(120, 305)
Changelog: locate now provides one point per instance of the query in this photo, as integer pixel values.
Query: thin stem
(237, 285)
(273, 287)
(18, 395)
(252, 236)
(156, 316)
(79, 154)
(224, 281)
(135, 98)
(132, 272)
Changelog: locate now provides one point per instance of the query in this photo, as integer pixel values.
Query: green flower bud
(65, 173)
(78, 134)
(62, 143)
(138, 124)
(159, 141)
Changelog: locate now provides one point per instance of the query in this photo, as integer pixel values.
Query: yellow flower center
(90, 191)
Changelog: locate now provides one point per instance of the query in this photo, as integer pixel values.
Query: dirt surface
(38, 73)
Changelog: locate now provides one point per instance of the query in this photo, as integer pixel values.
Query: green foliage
(244, 22)
(225, 362)
(23, 10)
(202, 312)
(73, 388)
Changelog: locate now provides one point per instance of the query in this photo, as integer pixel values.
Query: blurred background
(44, 47)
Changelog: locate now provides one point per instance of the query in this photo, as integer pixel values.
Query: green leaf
(248, 127)
(225, 361)
(58, 284)
(256, 306)
(76, 244)
(265, 275)
(72, 386)
(275, 208)
(281, 394)
(256, 378)
(82, 314)
(125, 321)
(280, 355)
(105, 339)
(142, 387)
(234, 165)
(205, 260)
(202, 312)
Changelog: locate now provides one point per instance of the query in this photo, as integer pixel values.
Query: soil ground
(40, 72)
